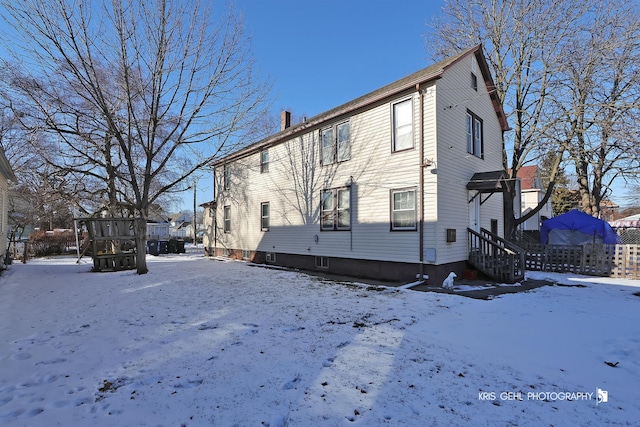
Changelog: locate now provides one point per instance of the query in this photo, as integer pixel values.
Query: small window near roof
(264, 161)
(474, 82)
(226, 177)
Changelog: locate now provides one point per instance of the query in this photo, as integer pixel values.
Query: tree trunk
(510, 224)
(141, 245)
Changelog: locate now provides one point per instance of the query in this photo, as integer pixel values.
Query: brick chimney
(285, 120)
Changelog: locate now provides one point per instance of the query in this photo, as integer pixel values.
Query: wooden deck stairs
(495, 257)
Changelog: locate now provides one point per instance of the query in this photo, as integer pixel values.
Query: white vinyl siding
(360, 229)
(295, 183)
(457, 164)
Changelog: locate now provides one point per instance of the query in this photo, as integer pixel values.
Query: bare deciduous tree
(599, 88)
(128, 99)
(527, 42)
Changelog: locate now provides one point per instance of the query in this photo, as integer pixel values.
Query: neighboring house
(180, 225)
(6, 175)
(181, 229)
(531, 193)
(158, 229)
(157, 225)
(384, 186)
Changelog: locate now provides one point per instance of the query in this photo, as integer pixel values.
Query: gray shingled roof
(409, 82)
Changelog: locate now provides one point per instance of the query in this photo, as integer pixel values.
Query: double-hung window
(402, 125)
(475, 143)
(227, 219)
(226, 177)
(403, 210)
(336, 143)
(264, 216)
(336, 209)
(264, 161)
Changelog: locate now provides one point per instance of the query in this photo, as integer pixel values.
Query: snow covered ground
(200, 342)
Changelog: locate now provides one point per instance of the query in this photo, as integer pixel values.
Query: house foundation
(356, 268)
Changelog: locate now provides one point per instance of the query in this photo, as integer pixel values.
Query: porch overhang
(486, 182)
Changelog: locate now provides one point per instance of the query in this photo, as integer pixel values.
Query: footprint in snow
(52, 361)
(291, 384)
(34, 412)
(327, 363)
(21, 356)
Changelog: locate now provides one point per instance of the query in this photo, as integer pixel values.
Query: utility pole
(194, 222)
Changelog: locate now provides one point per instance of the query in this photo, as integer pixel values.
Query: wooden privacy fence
(590, 259)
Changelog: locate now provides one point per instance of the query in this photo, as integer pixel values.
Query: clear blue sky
(323, 53)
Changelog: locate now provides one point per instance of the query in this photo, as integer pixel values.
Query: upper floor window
(475, 143)
(264, 216)
(336, 143)
(264, 161)
(336, 209)
(227, 219)
(403, 125)
(403, 210)
(226, 177)
(474, 81)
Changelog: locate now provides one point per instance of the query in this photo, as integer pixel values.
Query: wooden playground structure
(112, 243)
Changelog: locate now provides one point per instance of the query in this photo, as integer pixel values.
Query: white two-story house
(384, 186)
(6, 175)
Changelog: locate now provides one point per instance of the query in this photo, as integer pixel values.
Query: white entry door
(474, 212)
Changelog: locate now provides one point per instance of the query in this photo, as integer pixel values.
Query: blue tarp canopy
(576, 228)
